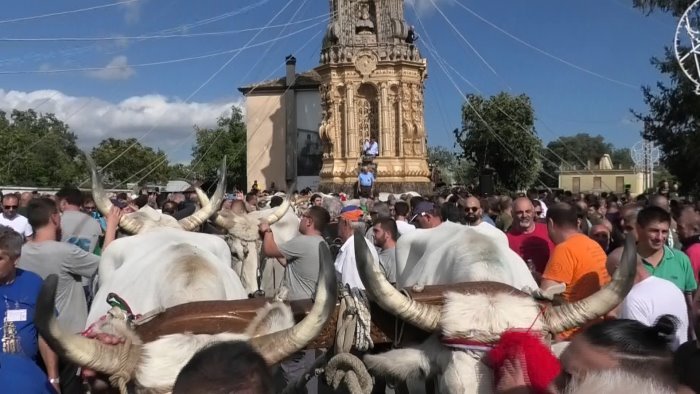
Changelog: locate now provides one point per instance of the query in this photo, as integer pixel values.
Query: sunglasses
(89, 208)
(473, 209)
(10, 206)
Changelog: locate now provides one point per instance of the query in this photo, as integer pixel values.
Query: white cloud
(425, 7)
(45, 67)
(93, 119)
(117, 68)
(132, 11)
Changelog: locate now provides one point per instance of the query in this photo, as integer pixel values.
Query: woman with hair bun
(623, 344)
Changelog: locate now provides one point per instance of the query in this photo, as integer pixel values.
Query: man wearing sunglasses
(11, 218)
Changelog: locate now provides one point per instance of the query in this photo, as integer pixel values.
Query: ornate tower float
(372, 78)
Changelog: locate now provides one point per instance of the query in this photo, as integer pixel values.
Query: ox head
(481, 315)
(147, 218)
(132, 357)
(243, 238)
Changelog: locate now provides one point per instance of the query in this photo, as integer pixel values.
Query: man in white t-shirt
(10, 217)
(345, 264)
(652, 297)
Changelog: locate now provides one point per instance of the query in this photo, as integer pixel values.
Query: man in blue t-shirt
(19, 290)
(365, 182)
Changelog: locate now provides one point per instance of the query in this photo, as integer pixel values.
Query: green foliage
(673, 110)
(452, 168)
(38, 150)
(229, 139)
(577, 150)
(499, 133)
(139, 163)
(676, 7)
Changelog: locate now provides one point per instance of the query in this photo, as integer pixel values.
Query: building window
(576, 185)
(596, 183)
(619, 184)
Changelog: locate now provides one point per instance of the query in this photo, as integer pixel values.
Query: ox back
(213, 317)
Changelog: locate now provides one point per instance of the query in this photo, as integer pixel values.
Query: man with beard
(473, 212)
(528, 238)
(385, 234)
(689, 234)
(44, 255)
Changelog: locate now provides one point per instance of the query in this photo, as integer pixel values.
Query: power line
(476, 52)
(156, 36)
(162, 62)
(195, 92)
(481, 118)
(193, 25)
(542, 51)
(76, 11)
(267, 50)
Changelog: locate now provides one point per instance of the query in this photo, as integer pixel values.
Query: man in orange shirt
(577, 261)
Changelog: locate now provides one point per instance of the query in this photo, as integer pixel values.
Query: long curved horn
(219, 220)
(424, 316)
(83, 351)
(210, 207)
(127, 222)
(567, 316)
(278, 213)
(277, 346)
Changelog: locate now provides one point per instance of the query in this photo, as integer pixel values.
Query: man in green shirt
(653, 226)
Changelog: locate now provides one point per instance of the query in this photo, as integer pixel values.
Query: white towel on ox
(453, 253)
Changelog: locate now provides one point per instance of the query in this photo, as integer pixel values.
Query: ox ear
(400, 364)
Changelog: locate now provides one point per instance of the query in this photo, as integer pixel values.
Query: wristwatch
(54, 380)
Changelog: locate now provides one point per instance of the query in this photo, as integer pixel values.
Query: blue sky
(163, 101)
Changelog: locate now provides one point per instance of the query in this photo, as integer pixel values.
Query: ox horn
(278, 213)
(221, 221)
(567, 316)
(424, 316)
(277, 346)
(127, 222)
(208, 207)
(83, 351)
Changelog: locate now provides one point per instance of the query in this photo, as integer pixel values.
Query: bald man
(473, 211)
(629, 228)
(528, 238)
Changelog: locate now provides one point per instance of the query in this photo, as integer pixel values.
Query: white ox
(245, 244)
(453, 253)
(163, 265)
(481, 315)
(154, 366)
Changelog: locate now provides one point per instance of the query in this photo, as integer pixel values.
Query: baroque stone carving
(372, 87)
(366, 63)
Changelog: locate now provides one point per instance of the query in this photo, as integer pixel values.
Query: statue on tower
(364, 23)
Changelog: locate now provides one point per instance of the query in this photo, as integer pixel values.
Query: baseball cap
(421, 208)
(352, 213)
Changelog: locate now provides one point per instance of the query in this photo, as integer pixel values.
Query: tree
(577, 150)
(499, 133)
(137, 164)
(452, 169)
(38, 150)
(673, 109)
(229, 139)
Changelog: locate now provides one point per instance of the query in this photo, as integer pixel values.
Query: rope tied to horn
(354, 321)
(345, 368)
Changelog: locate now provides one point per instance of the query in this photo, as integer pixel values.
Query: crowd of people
(572, 244)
